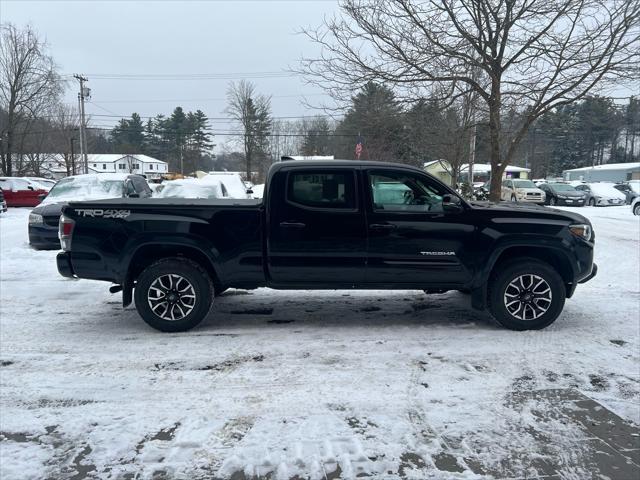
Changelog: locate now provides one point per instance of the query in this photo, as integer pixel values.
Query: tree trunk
(497, 167)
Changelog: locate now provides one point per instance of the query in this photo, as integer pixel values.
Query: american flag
(359, 148)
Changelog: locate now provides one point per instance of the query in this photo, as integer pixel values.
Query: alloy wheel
(527, 297)
(171, 297)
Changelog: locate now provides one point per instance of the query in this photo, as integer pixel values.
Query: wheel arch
(553, 256)
(149, 253)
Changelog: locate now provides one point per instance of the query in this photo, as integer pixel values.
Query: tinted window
(322, 189)
(405, 192)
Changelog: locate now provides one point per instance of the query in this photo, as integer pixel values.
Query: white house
(131, 163)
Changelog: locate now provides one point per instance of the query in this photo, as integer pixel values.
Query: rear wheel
(592, 202)
(526, 294)
(173, 294)
(636, 209)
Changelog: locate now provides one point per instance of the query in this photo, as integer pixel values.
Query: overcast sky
(175, 37)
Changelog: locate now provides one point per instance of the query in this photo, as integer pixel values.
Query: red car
(21, 192)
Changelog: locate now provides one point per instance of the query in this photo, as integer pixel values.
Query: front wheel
(636, 209)
(173, 294)
(526, 294)
(514, 198)
(592, 202)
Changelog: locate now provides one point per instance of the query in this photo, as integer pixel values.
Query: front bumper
(44, 236)
(570, 202)
(63, 259)
(594, 272)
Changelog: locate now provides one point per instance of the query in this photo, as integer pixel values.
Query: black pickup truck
(330, 225)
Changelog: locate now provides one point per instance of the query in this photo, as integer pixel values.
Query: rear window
(333, 190)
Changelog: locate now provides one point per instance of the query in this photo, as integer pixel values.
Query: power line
(190, 76)
(212, 99)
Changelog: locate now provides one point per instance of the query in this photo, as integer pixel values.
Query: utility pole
(84, 93)
(73, 159)
(472, 154)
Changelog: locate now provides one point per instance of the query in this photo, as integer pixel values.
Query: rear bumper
(64, 264)
(44, 236)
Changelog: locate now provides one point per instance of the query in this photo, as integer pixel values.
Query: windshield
(562, 187)
(524, 184)
(85, 188)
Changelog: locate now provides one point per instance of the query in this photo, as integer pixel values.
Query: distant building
(441, 169)
(130, 163)
(54, 165)
(609, 172)
(482, 172)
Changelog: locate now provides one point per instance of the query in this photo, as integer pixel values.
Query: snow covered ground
(315, 384)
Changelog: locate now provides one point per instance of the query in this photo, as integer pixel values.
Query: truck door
(412, 239)
(316, 227)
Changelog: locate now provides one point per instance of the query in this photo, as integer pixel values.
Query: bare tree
(28, 82)
(252, 112)
(533, 55)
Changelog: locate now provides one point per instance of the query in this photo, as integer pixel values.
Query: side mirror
(451, 203)
(42, 196)
(249, 191)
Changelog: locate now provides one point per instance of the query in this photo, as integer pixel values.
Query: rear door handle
(292, 225)
(383, 226)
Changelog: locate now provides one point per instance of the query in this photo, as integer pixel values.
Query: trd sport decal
(99, 212)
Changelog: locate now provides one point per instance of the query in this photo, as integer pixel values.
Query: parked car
(631, 189)
(233, 183)
(635, 206)
(562, 194)
(330, 225)
(46, 183)
(21, 192)
(519, 190)
(192, 188)
(3, 204)
(43, 220)
(601, 194)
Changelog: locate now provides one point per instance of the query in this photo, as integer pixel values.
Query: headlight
(562, 196)
(582, 230)
(35, 218)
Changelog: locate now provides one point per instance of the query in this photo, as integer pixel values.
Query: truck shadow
(287, 309)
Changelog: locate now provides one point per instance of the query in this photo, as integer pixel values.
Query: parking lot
(339, 384)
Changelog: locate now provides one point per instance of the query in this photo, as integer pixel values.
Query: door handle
(383, 226)
(292, 225)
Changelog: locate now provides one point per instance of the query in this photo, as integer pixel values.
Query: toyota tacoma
(330, 225)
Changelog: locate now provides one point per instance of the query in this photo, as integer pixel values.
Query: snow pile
(87, 187)
(258, 190)
(191, 188)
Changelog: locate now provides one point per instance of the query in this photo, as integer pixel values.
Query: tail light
(65, 232)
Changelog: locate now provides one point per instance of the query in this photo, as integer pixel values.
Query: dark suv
(43, 220)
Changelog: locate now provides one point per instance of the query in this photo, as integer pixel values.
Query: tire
(165, 279)
(636, 209)
(501, 290)
(592, 202)
(514, 198)
(552, 201)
